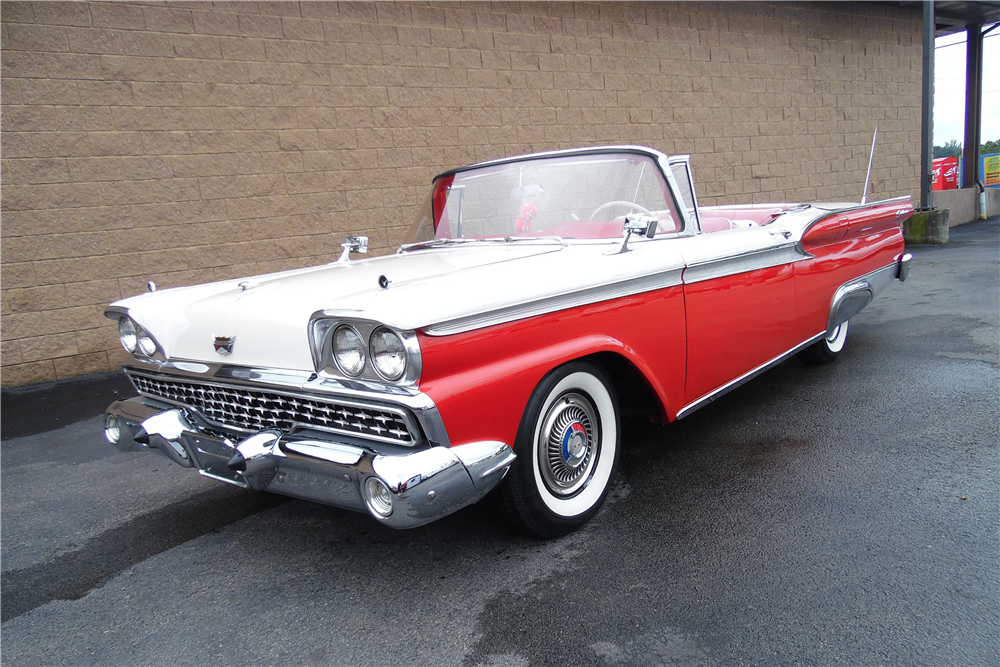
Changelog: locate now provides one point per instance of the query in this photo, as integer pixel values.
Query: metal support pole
(927, 110)
(973, 103)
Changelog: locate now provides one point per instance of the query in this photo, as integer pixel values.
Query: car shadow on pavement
(72, 575)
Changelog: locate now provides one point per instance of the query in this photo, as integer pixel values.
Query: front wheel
(826, 349)
(567, 452)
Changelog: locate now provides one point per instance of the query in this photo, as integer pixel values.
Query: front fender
(481, 380)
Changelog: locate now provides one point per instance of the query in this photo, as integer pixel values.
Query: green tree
(990, 147)
(950, 149)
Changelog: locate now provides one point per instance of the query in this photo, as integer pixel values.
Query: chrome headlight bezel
(322, 327)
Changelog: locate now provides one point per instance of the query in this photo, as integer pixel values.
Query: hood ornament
(224, 344)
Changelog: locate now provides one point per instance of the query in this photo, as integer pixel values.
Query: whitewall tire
(828, 348)
(567, 451)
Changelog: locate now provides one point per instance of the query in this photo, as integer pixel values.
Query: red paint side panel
(868, 239)
(737, 323)
(481, 380)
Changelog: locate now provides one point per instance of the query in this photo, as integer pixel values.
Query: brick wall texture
(186, 142)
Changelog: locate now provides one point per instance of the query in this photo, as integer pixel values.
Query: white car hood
(428, 286)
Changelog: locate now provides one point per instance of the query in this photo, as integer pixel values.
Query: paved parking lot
(839, 515)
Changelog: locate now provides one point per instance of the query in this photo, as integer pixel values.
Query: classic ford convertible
(537, 300)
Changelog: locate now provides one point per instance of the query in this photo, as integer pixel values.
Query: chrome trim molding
(424, 485)
(630, 287)
(750, 261)
(729, 386)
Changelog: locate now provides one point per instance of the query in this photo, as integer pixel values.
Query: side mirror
(636, 224)
(640, 224)
(353, 244)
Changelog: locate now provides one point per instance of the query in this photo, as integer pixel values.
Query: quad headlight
(127, 334)
(388, 353)
(365, 350)
(135, 339)
(349, 351)
(146, 344)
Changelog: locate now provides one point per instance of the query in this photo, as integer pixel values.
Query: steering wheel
(619, 203)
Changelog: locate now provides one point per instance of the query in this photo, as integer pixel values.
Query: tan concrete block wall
(191, 141)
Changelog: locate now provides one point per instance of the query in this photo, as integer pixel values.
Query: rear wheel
(826, 349)
(567, 452)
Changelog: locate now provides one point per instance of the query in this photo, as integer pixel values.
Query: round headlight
(349, 351)
(146, 344)
(112, 429)
(126, 333)
(378, 498)
(388, 354)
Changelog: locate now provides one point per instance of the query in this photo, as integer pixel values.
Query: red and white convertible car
(536, 301)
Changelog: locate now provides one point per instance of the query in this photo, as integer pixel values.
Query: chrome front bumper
(416, 487)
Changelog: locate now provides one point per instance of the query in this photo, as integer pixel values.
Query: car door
(739, 293)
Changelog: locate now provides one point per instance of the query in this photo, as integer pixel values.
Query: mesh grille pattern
(256, 409)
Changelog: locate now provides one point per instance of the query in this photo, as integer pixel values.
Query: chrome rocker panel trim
(424, 485)
(746, 377)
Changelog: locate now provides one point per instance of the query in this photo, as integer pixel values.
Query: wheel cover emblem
(567, 444)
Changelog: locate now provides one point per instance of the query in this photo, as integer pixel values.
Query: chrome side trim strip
(751, 261)
(728, 387)
(629, 287)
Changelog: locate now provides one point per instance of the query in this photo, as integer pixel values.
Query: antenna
(871, 159)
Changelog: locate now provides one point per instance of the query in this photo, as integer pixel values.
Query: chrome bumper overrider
(413, 488)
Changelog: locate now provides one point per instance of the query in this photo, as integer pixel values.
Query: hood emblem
(224, 344)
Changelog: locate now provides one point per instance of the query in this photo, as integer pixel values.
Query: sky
(949, 88)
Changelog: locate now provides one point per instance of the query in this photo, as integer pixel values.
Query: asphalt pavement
(846, 514)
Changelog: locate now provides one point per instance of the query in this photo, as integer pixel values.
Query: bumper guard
(411, 489)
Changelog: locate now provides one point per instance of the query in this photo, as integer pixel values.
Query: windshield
(572, 197)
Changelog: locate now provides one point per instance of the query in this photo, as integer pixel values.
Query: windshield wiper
(433, 243)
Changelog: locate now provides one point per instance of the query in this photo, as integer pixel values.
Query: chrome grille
(257, 409)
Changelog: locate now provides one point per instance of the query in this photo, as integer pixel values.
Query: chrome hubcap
(568, 443)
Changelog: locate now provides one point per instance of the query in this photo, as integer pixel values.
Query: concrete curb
(928, 226)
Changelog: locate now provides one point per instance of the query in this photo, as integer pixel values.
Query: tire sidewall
(549, 514)
(835, 346)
